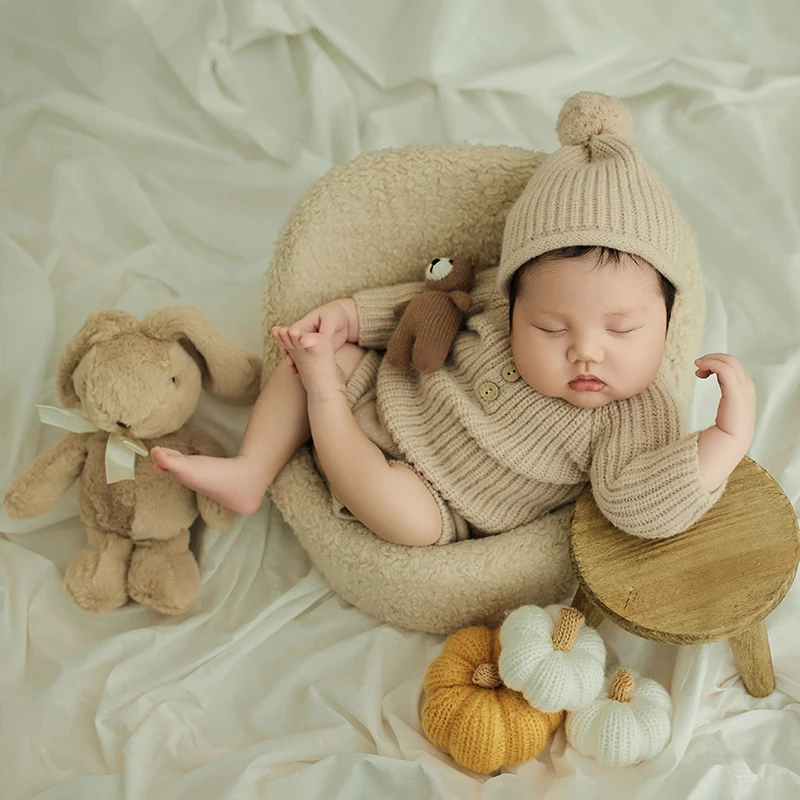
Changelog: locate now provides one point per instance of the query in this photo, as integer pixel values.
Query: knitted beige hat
(595, 190)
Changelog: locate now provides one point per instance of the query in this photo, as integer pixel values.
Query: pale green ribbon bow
(121, 448)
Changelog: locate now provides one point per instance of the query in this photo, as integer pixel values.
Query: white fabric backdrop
(149, 153)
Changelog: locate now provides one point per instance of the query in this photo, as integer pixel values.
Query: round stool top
(723, 574)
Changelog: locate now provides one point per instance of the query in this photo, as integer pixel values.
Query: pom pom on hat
(588, 114)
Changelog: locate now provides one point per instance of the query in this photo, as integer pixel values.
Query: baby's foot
(232, 482)
(312, 354)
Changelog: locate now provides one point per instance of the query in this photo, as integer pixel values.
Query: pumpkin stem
(569, 622)
(487, 676)
(622, 686)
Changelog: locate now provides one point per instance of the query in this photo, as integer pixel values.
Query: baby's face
(573, 318)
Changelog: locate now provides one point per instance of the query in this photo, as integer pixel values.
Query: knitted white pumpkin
(628, 723)
(549, 655)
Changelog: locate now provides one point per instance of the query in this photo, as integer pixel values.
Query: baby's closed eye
(608, 330)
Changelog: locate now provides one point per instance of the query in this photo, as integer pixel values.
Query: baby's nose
(586, 351)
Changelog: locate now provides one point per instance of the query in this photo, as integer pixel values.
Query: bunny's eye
(174, 379)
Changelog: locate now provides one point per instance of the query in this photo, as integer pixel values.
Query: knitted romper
(496, 454)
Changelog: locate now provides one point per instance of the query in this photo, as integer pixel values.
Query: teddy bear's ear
(229, 372)
(100, 326)
(467, 260)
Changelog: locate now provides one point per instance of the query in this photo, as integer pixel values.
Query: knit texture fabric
(430, 320)
(552, 657)
(597, 189)
(469, 713)
(629, 722)
(502, 454)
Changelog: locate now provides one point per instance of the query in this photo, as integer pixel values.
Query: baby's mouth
(587, 385)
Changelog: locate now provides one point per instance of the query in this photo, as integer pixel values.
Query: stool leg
(752, 654)
(591, 613)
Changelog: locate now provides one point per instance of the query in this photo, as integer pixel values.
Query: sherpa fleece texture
(373, 222)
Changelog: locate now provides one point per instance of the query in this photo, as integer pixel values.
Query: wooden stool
(717, 580)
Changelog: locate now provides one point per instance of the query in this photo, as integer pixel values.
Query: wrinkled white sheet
(149, 153)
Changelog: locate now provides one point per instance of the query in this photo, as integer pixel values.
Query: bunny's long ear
(100, 326)
(230, 373)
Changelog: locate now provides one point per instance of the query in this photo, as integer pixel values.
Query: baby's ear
(101, 326)
(230, 373)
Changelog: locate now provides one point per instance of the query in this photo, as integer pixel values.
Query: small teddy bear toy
(135, 383)
(429, 322)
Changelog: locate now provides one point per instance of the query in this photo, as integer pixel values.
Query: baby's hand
(736, 414)
(331, 320)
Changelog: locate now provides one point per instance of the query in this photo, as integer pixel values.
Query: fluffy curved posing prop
(430, 321)
(133, 385)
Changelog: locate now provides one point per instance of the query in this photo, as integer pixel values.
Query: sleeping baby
(554, 379)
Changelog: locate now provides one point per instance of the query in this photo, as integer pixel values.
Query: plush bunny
(430, 321)
(136, 385)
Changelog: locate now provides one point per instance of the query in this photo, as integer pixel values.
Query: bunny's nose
(122, 424)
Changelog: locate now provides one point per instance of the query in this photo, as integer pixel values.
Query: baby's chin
(589, 399)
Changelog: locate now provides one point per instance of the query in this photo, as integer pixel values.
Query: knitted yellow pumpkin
(471, 715)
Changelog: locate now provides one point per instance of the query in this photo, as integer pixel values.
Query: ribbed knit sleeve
(375, 307)
(645, 470)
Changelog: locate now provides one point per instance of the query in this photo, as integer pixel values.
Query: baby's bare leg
(389, 499)
(278, 425)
